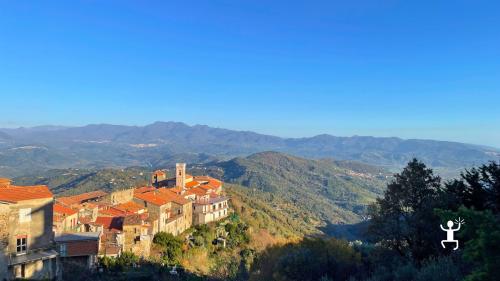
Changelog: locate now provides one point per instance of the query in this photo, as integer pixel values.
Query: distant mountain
(106, 145)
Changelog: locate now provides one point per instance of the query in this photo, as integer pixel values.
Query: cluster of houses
(40, 234)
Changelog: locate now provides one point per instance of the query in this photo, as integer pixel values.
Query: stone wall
(120, 196)
(38, 229)
(4, 238)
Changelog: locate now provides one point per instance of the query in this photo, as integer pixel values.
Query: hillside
(102, 146)
(269, 224)
(303, 194)
(313, 190)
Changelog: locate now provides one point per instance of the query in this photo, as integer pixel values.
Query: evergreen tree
(404, 218)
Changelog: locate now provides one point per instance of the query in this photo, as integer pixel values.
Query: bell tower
(180, 175)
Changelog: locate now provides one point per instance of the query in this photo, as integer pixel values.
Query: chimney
(4, 182)
(180, 175)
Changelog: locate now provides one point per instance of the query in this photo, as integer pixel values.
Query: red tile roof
(192, 184)
(161, 196)
(15, 194)
(110, 223)
(63, 210)
(80, 198)
(152, 197)
(4, 182)
(130, 207)
(112, 212)
(198, 191)
(172, 196)
(143, 189)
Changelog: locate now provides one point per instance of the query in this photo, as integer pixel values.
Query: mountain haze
(106, 145)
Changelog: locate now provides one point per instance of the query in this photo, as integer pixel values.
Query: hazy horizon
(237, 129)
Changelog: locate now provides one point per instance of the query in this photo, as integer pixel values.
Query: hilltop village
(39, 234)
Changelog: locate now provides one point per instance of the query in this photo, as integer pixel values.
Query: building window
(21, 244)
(25, 215)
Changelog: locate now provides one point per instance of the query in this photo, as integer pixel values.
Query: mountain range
(29, 150)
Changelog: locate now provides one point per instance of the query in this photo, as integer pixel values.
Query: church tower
(180, 175)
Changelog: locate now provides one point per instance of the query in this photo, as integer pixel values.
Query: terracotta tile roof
(4, 182)
(206, 187)
(112, 212)
(63, 210)
(198, 191)
(206, 180)
(130, 207)
(161, 196)
(143, 189)
(80, 198)
(152, 197)
(176, 189)
(15, 194)
(192, 184)
(110, 223)
(172, 196)
(133, 220)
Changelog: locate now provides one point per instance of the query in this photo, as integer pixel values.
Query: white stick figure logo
(450, 232)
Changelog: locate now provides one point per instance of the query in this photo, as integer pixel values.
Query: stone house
(174, 213)
(77, 249)
(26, 236)
(137, 238)
(64, 219)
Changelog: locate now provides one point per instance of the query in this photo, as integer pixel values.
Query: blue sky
(413, 69)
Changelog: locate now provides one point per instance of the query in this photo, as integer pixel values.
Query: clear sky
(413, 69)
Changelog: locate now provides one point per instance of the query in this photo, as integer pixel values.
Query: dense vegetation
(406, 234)
(324, 190)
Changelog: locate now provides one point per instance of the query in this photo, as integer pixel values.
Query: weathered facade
(77, 249)
(137, 238)
(26, 232)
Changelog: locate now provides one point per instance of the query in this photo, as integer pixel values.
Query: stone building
(65, 219)
(210, 209)
(92, 196)
(26, 236)
(174, 212)
(77, 249)
(137, 237)
(120, 196)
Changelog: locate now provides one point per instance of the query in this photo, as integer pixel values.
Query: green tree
(171, 246)
(404, 218)
(126, 260)
(480, 238)
(309, 260)
(478, 188)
